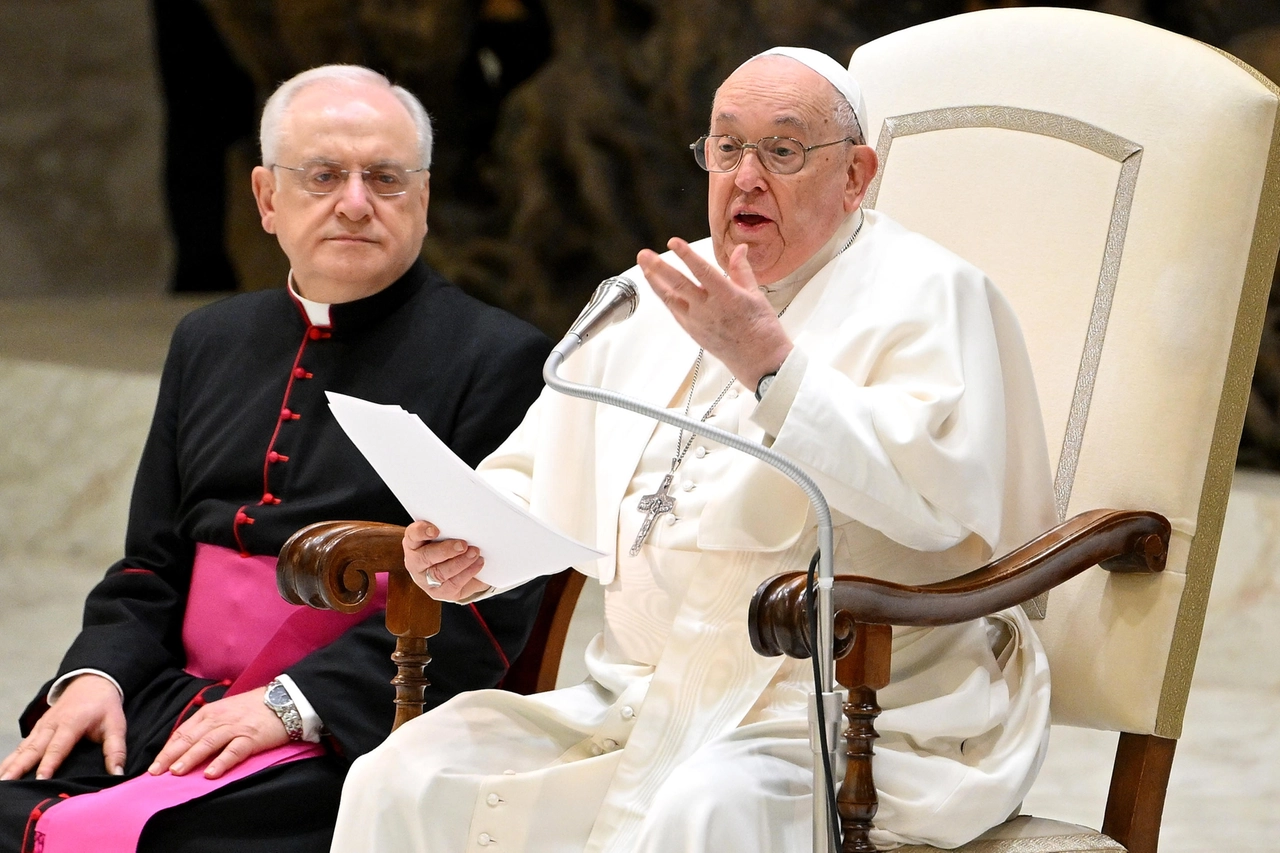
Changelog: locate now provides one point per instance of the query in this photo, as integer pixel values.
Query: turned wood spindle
(412, 616)
(864, 670)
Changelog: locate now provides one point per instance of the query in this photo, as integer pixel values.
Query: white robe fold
(917, 415)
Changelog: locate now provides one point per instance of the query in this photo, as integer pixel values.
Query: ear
(426, 194)
(264, 191)
(862, 168)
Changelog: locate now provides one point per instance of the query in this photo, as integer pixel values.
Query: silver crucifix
(654, 505)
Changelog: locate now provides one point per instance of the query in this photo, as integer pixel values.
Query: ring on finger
(431, 579)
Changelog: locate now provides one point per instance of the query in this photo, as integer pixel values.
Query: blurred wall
(80, 146)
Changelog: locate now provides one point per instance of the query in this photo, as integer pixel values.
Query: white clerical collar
(782, 291)
(317, 312)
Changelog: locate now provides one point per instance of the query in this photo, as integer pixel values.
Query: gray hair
(277, 106)
(847, 119)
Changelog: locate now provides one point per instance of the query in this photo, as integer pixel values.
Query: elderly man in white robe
(896, 375)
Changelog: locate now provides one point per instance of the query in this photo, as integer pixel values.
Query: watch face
(763, 385)
(278, 696)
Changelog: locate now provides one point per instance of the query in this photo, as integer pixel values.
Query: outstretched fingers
(672, 286)
(89, 706)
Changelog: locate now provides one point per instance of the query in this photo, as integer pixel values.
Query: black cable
(811, 599)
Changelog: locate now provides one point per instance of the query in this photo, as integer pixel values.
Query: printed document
(433, 484)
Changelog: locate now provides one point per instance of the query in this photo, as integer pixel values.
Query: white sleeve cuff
(774, 406)
(61, 684)
(311, 723)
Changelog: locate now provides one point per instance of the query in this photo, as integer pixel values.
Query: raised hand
(727, 315)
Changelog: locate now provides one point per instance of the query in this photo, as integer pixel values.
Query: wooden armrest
(1118, 540)
(332, 565)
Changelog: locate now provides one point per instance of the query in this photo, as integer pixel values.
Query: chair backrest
(1121, 185)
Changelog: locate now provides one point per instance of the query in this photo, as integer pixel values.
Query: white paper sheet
(433, 484)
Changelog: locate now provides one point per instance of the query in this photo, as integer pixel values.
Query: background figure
(209, 104)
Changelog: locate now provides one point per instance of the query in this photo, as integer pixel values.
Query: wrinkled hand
(89, 707)
(727, 315)
(231, 729)
(452, 562)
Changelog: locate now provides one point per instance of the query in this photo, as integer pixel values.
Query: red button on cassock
(299, 373)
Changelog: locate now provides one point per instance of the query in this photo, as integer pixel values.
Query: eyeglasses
(781, 155)
(320, 177)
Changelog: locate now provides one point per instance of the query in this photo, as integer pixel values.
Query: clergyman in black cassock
(242, 452)
(468, 370)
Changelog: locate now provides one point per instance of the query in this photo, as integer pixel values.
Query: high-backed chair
(1121, 185)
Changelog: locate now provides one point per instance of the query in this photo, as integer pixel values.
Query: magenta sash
(237, 628)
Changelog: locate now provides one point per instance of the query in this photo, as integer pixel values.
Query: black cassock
(242, 452)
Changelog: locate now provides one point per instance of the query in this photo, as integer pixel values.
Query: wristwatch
(277, 698)
(764, 383)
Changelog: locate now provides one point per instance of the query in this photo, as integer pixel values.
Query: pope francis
(896, 375)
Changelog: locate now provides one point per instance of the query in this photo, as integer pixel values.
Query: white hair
(277, 106)
(846, 118)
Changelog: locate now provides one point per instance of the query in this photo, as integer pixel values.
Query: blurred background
(127, 130)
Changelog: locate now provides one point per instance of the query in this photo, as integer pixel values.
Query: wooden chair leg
(863, 671)
(1139, 780)
(413, 617)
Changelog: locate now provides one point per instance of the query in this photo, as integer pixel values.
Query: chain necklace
(661, 501)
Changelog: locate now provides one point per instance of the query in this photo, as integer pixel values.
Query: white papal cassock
(909, 399)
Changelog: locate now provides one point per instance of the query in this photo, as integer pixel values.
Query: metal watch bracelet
(277, 698)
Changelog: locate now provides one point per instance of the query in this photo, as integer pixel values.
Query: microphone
(615, 300)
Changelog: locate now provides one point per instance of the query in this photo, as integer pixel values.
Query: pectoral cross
(654, 505)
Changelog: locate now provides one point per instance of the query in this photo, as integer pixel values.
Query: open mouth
(750, 219)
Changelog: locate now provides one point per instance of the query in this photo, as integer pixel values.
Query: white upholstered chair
(1121, 184)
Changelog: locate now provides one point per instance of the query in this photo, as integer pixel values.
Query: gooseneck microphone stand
(825, 835)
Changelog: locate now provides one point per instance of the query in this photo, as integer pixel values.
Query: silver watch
(277, 698)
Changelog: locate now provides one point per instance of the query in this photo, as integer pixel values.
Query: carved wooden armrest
(1118, 540)
(866, 608)
(332, 565)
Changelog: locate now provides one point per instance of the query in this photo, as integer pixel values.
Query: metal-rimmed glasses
(781, 155)
(322, 177)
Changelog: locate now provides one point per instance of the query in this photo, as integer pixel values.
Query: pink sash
(236, 628)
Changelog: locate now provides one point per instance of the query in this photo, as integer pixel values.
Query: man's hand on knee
(229, 730)
(91, 707)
